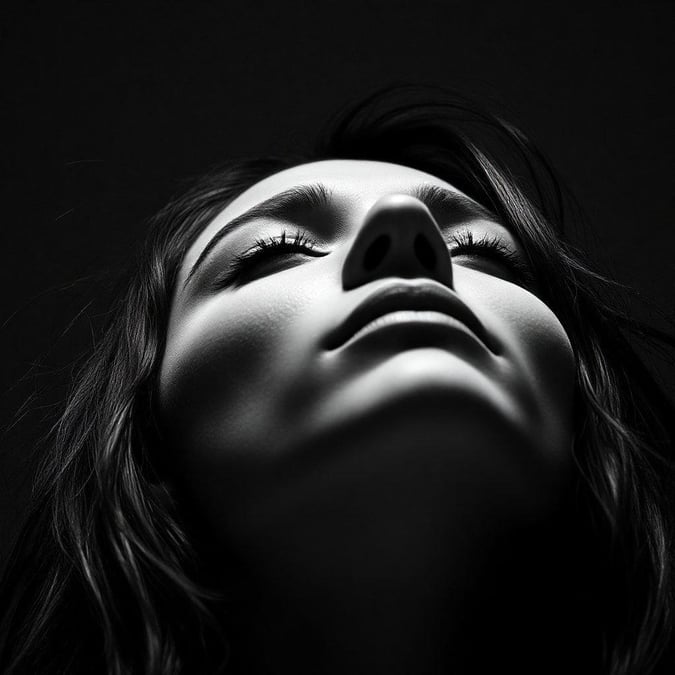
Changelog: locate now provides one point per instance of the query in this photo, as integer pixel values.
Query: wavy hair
(105, 575)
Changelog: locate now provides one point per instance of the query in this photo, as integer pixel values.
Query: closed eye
(464, 244)
(267, 251)
(492, 248)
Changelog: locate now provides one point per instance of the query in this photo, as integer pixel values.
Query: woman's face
(368, 359)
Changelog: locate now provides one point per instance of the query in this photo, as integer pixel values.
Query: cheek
(217, 357)
(543, 353)
(537, 354)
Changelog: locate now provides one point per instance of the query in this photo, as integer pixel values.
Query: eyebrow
(450, 206)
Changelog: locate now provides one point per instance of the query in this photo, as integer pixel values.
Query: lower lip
(415, 324)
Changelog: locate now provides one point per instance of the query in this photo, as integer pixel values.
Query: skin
(361, 492)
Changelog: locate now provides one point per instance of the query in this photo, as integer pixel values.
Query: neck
(397, 560)
(484, 611)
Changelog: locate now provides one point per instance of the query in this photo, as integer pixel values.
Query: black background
(105, 106)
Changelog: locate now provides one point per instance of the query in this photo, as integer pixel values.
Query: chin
(419, 386)
(429, 407)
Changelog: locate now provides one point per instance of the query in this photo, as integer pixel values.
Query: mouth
(411, 299)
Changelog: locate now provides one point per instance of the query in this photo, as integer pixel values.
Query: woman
(358, 411)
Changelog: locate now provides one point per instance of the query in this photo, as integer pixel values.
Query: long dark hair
(105, 576)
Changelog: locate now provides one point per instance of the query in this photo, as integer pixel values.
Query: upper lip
(408, 296)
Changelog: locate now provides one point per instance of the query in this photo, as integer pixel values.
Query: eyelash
(486, 245)
(490, 246)
(273, 246)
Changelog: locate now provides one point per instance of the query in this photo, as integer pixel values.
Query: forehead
(358, 183)
(349, 176)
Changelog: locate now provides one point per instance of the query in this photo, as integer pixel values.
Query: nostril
(376, 252)
(424, 251)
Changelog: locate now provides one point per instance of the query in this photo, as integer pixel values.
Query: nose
(399, 237)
